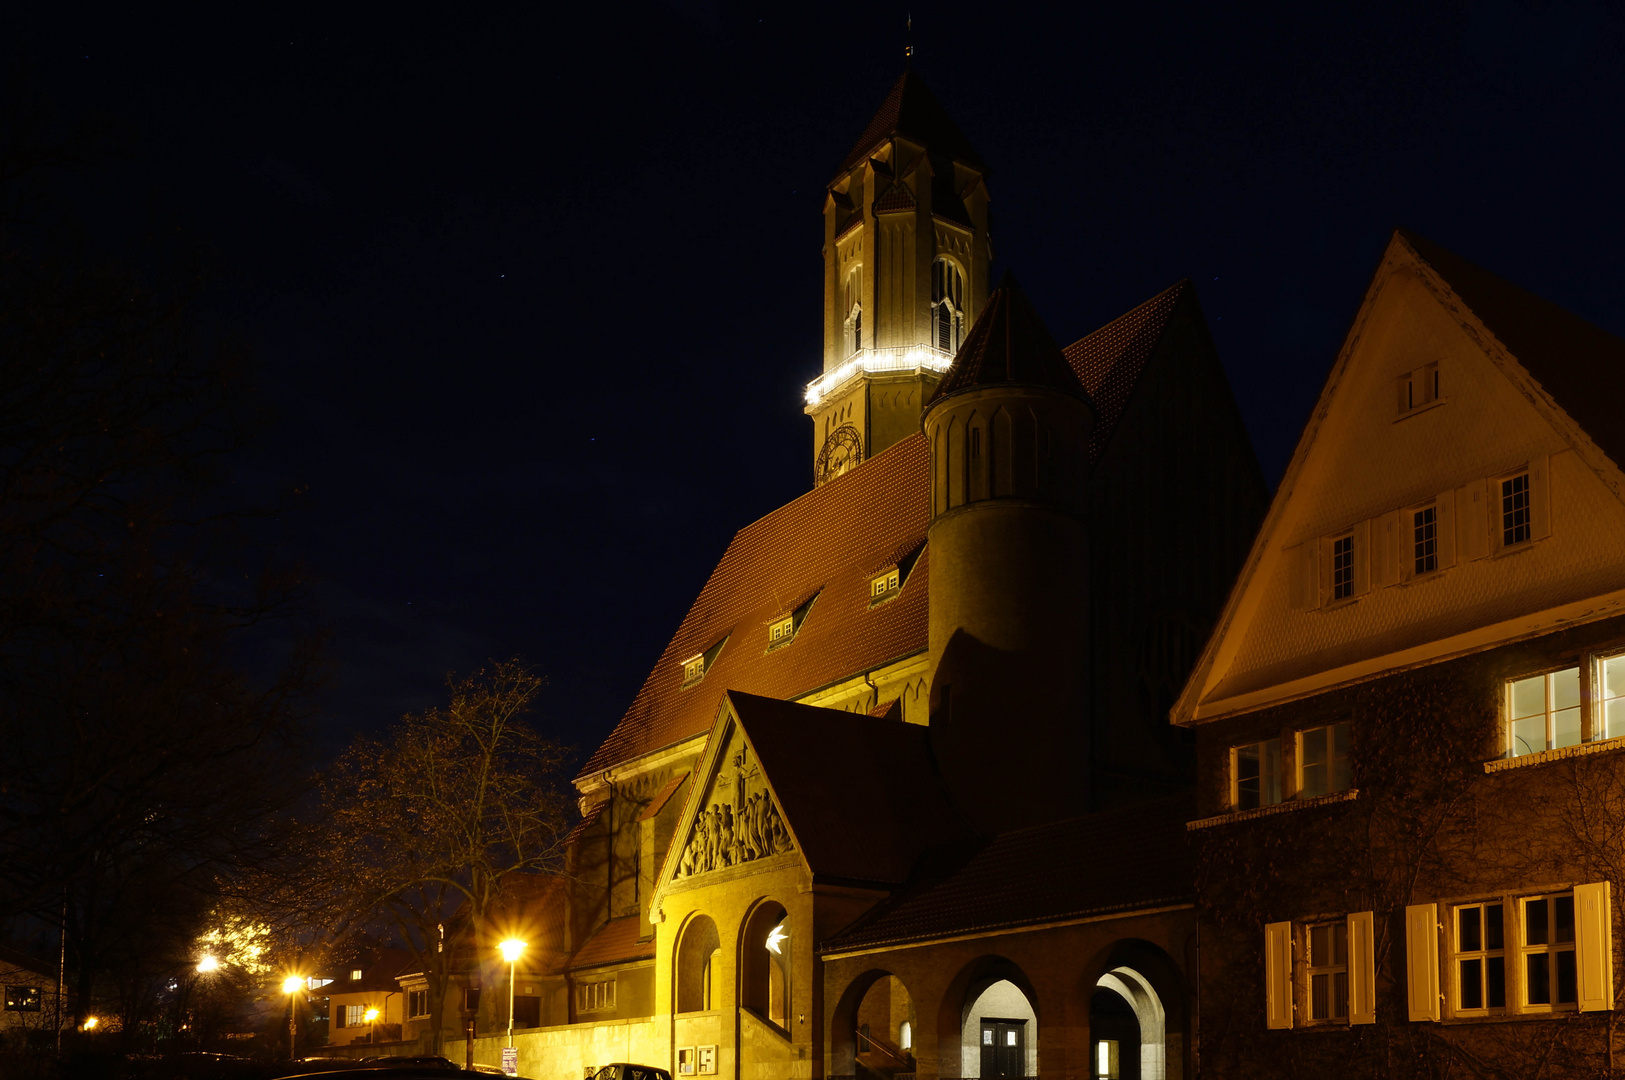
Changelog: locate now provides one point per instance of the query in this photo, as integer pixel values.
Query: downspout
(874, 691)
(609, 850)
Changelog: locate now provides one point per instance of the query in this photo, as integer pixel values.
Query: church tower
(1008, 430)
(906, 262)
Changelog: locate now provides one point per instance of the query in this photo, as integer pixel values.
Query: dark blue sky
(534, 289)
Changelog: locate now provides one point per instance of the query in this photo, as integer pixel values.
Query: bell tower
(906, 263)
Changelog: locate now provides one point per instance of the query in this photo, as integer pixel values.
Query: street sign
(510, 1060)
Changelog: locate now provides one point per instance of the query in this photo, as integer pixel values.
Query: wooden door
(1004, 1047)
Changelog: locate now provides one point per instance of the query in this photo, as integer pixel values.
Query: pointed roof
(1569, 357)
(1109, 361)
(911, 112)
(860, 793)
(1009, 345)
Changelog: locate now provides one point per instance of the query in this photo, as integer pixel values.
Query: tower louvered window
(854, 310)
(947, 305)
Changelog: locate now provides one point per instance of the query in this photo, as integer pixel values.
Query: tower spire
(908, 42)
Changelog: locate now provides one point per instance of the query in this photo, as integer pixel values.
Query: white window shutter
(1445, 533)
(1278, 974)
(1385, 550)
(1362, 558)
(1540, 497)
(1422, 960)
(1594, 946)
(1473, 521)
(1362, 968)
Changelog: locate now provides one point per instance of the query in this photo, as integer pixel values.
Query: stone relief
(740, 824)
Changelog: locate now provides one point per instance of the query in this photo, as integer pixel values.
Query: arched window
(854, 310)
(947, 306)
(765, 971)
(698, 956)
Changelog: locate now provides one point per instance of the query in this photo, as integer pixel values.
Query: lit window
(1547, 946)
(1425, 539)
(1328, 964)
(1543, 712)
(417, 1003)
(905, 1036)
(883, 585)
(355, 973)
(1608, 717)
(1323, 760)
(1257, 771)
(1480, 958)
(1515, 520)
(781, 630)
(355, 1016)
(23, 999)
(1106, 1059)
(947, 305)
(1342, 567)
(695, 667)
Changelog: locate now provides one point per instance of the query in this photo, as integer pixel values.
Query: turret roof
(1010, 344)
(910, 111)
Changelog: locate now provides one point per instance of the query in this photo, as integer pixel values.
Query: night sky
(534, 290)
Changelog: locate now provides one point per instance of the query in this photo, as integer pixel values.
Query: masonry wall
(1429, 824)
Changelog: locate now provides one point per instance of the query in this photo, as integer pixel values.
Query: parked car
(623, 1071)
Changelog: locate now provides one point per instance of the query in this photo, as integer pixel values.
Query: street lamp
(291, 986)
(510, 952)
(207, 964)
(371, 1017)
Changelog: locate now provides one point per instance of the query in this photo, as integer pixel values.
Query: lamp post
(371, 1017)
(291, 986)
(510, 952)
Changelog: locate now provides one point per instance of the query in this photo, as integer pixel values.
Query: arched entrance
(1136, 1016)
(874, 1030)
(999, 1033)
(699, 954)
(764, 964)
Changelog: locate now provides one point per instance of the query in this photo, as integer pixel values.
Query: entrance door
(1004, 1047)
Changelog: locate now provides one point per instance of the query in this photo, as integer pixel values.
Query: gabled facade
(1408, 745)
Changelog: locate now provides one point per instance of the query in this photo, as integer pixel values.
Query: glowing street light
(90, 1023)
(371, 1017)
(510, 952)
(207, 964)
(291, 986)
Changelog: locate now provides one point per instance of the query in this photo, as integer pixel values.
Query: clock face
(841, 451)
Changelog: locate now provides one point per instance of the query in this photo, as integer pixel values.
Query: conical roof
(910, 111)
(1010, 345)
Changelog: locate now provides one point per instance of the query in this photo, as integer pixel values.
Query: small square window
(781, 630)
(1543, 712)
(355, 973)
(1418, 388)
(1256, 768)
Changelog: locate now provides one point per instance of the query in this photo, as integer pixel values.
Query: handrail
(873, 361)
(895, 1053)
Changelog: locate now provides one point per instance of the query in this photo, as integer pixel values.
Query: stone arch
(990, 988)
(699, 956)
(865, 998)
(764, 972)
(1138, 994)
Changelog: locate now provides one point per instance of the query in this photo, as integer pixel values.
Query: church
(1038, 739)
(900, 798)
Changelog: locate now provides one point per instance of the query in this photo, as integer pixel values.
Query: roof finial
(908, 42)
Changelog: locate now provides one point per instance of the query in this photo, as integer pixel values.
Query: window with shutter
(1362, 968)
(1422, 961)
(1278, 975)
(1594, 946)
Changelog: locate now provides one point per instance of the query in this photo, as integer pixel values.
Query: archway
(699, 954)
(999, 1031)
(764, 964)
(1137, 1015)
(874, 1028)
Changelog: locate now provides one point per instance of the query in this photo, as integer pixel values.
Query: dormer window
(695, 667)
(355, 973)
(782, 630)
(1418, 389)
(884, 586)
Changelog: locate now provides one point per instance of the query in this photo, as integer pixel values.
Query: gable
(1367, 465)
(736, 817)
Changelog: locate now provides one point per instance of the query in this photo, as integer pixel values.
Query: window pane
(1565, 977)
(1495, 976)
(1492, 926)
(1528, 736)
(1534, 922)
(1320, 1004)
(1529, 696)
(1566, 688)
(1340, 757)
(1613, 676)
(1538, 979)
(1272, 772)
(1615, 723)
(1472, 984)
(1564, 920)
(1340, 943)
(1340, 995)
(1468, 939)
(1320, 946)
(1566, 727)
(1247, 790)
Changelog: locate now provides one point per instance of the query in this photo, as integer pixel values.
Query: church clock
(843, 450)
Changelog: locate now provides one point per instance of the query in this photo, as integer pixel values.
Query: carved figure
(723, 837)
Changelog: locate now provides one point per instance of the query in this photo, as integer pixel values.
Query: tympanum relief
(738, 821)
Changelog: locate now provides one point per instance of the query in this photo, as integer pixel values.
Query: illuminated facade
(883, 807)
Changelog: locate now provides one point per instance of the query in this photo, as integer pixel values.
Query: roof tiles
(912, 112)
(1109, 361)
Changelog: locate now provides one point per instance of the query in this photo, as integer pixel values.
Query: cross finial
(908, 40)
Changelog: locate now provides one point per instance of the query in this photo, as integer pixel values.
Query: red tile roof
(1009, 344)
(910, 111)
(837, 537)
(1109, 361)
(1118, 860)
(897, 198)
(616, 942)
(827, 539)
(658, 803)
(860, 793)
(1570, 358)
